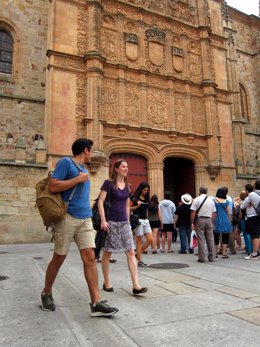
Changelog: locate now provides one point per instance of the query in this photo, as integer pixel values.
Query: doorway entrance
(179, 177)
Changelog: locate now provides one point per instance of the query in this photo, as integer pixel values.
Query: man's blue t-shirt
(79, 207)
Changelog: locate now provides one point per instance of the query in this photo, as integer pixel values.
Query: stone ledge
(26, 164)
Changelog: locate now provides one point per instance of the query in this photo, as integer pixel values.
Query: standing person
(119, 234)
(241, 227)
(232, 211)
(155, 220)
(140, 202)
(202, 213)
(182, 221)
(76, 225)
(222, 221)
(253, 220)
(167, 210)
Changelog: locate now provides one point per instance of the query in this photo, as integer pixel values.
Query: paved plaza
(209, 304)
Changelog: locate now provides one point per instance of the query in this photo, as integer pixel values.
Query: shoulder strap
(75, 187)
(222, 206)
(196, 214)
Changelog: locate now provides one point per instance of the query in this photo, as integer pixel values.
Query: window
(6, 52)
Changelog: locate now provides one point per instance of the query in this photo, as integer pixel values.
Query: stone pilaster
(155, 178)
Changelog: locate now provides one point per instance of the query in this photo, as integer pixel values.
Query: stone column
(212, 129)
(94, 77)
(200, 177)
(155, 179)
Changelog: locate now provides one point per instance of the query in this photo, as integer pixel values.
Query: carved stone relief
(156, 108)
(180, 113)
(195, 70)
(132, 104)
(155, 49)
(198, 116)
(177, 59)
(110, 100)
(108, 21)
(82, 37)
(131, 46)
(108, 44)
(81, 103)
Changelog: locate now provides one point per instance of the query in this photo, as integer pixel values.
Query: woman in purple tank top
(119, 234)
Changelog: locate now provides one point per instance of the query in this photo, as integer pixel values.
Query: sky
(246, 6)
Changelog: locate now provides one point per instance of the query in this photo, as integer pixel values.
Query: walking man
(76, 225)
(202, 213)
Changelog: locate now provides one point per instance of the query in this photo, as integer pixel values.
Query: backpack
(50, 205)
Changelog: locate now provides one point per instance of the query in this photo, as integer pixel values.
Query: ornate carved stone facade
(160, 79)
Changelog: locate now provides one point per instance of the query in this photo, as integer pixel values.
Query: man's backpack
(50, 205)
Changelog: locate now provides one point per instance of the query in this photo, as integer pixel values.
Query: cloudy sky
(246, 6)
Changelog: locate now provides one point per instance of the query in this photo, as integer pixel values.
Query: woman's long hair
(114, 173)
(154, 203)
(139, 189)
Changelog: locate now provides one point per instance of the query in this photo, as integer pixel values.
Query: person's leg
(148, 242)
(90, 272)
(139, 244)
(131, 262)
(163, 240)
(158, 243)
(225, 239)
(199, 228)
(255, 242)
(155, 235)
(105, 268)
(169, 240)
(216, 242)
(52, 271)
(182, 233)
(208, 230)
(232, 241)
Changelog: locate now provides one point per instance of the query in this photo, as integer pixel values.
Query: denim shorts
(143, 228)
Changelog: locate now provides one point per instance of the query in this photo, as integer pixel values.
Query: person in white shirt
(253, 220)
(202, 213)
(167, 208)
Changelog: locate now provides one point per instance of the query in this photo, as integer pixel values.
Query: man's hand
(82, 177)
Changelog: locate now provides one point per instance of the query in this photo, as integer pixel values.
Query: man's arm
(192, 217)
(56, 185)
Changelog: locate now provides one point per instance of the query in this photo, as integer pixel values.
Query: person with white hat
(182, 221)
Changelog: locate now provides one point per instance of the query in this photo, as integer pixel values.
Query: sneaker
(102, 309)
(252, 257)
(142, 264)
(47, 303)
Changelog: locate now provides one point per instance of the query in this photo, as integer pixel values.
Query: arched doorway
(179, 177)
(137, 168)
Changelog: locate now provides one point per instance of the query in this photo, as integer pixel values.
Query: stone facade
(159, 79)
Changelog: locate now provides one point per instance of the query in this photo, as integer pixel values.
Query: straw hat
(186, 199)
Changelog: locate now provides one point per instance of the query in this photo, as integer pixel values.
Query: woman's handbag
(134, 221)
(95, 214)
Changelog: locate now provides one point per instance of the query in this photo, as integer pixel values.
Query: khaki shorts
(81, 230)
